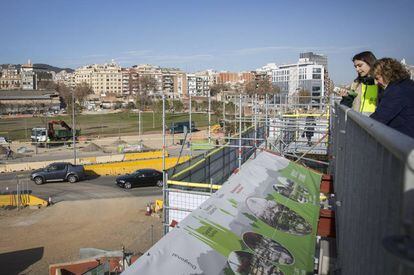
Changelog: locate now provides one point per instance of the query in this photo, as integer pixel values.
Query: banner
(262, 221)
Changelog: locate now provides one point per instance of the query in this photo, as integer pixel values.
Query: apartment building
(104, 79)
(234, 78)
(304, 75)
(28, 76)
(309, 74)
(66, 78)
(10, 78)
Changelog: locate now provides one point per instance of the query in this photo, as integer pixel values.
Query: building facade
(10, 78)
(309, 73)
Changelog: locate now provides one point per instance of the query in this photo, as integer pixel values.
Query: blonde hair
(391, 70)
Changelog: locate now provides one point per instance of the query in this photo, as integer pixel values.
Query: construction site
(276, 186)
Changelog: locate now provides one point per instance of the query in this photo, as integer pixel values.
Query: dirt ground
(31, 240)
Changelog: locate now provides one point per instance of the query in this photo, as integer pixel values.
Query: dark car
(142, 177)
(58, 171)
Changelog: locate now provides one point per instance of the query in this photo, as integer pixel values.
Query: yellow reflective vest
(369, 98)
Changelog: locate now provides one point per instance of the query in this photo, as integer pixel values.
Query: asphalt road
(98, 188)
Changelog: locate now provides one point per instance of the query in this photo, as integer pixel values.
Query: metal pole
(73, 127)
(209, 118)
(17, 194)
(191, 126)
(139, 125)
(235, 115)
(266, 121)
(224, 117)
(153, 119)
(164, 185)
(255, 123)
(240, 132)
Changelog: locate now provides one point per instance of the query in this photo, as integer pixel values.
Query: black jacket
(396, 108)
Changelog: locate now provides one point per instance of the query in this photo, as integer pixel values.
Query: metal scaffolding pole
(240, 132)
(164, 176)
(224, 116)
(209, 117)
(255, 123)
(73, 127)
(191, 126)
(266, 120)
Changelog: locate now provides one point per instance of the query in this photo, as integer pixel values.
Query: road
(98, 188)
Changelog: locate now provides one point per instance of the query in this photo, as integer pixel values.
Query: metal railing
(373, 167)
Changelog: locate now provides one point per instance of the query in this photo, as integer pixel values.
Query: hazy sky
(204, 34)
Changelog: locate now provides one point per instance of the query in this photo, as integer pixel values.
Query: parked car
(142, 177)
(58, 171)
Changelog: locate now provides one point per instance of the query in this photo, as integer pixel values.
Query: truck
(44, 135)
(58, 171)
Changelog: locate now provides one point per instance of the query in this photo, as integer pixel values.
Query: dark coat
(396, 108)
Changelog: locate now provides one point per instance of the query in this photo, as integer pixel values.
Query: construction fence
(373, 168)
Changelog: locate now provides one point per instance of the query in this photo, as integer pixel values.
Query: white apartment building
(105, 79)
(66, 78)
(192, 84)
(10, 78)
(28, 76)
(303, 75)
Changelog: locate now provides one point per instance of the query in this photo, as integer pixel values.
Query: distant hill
(41, 65)
(52, 68)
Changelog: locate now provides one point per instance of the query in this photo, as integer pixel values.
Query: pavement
(97, 188)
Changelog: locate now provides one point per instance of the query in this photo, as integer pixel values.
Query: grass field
(112, 124)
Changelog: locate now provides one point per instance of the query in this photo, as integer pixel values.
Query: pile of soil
(119, 142)
(92, 147)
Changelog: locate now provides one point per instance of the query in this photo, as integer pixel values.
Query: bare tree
(81, 91)
(65, 93)
(144, 84)
(218, 88)
(261, 87)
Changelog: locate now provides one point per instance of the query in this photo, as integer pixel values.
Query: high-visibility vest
(369, 98)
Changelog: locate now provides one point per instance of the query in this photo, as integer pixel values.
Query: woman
(363, 95)
(397, 104)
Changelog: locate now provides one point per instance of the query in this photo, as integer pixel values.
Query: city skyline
(223, 36)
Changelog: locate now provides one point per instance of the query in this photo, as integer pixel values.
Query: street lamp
(73, 128)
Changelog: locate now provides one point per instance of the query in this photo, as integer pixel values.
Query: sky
(195, 35)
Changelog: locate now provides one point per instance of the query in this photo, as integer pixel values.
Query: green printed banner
(262, 221)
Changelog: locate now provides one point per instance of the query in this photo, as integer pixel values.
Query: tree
(144, 84)
(177, 105)
(261, 87)
(65, 93)
(217, 107)
(81, 91)
(218, 88)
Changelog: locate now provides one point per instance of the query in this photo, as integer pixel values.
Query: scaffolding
(291, 126)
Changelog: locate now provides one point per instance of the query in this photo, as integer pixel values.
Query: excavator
(52, 134)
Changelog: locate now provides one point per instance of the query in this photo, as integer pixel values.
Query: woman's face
(362, 68)
(380, 81)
